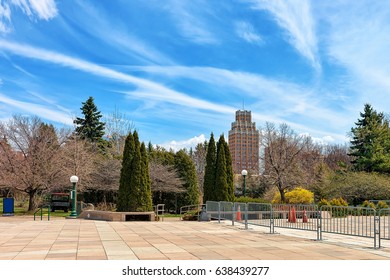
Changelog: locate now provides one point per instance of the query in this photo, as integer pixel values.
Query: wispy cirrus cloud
(146, 88)
(5, 17)
(246, 31)
(191, 20)
(113, 33)
(37, 109)
(296, 19)
(277, 100)
(360, 42)
(43, 9)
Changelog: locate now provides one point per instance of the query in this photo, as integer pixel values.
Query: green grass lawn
(20, 209)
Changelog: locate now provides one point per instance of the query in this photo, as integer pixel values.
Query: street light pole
(244, 173)
(74, 179)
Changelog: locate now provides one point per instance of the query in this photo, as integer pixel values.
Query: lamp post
(244, 173)
(74, 179)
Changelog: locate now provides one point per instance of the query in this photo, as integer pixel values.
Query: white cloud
(360, 42)
(43, 9)
(247, 32)
(39, 110)
(191, 23)
(296, 18)
(102, 26)
(277, 99)
(146, 88)
(184, 144)
(5, 17)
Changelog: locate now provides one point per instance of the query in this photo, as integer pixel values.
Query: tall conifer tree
(370, 144)
(209, 175)
(134, 187)
(90, 127)
(229, 171)
(221, 185)
(146, 190)
(125, 177)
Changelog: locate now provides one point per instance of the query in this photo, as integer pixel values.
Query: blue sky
(179, 69)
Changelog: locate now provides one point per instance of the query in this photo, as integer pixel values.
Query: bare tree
(164, 178)
(79, 158)
(337, 157)
(31, 155)
(284, 150)
(118, 127)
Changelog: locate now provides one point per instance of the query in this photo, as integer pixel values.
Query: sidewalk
(22, 238)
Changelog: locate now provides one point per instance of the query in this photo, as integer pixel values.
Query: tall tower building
(244, 143)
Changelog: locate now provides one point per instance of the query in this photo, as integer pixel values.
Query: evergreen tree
(134, 186)
(229, 170)
(146, 191)
(370, 143)
(125, 177)
(209, 174)
(221, 181)
(90, 127)
(186, 170)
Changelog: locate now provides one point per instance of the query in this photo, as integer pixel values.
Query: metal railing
(384, 225)
(345, 220)
(40, 209)
(260, 214)
(159, 210)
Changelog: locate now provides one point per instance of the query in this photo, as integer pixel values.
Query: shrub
(338, 202)
(296, 196)
(381, 205)
(368, 204)
(323, 202)
(247, 199)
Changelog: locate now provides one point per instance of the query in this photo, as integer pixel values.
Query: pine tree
(209, 174)
(90, 127)
(370, 144)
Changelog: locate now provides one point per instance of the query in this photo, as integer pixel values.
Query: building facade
(244, 142)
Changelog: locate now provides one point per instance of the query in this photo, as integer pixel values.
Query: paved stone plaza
(22, 238)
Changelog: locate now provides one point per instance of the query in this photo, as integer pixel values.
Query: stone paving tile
(21, 238)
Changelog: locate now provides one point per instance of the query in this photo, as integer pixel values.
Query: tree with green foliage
(229, 170)
(134, 186)
(185, 168)
(146, 192)
(370, 145)
(221, 184)
(90, 127)
(126, 174)
(209, 174)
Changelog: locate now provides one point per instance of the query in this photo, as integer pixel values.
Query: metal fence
(384, 225)
(345, 220)
(355, 221)
(260, 214)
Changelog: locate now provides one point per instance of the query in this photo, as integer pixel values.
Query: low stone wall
(117, 216)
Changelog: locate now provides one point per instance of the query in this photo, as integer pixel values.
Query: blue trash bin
(8, 206)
